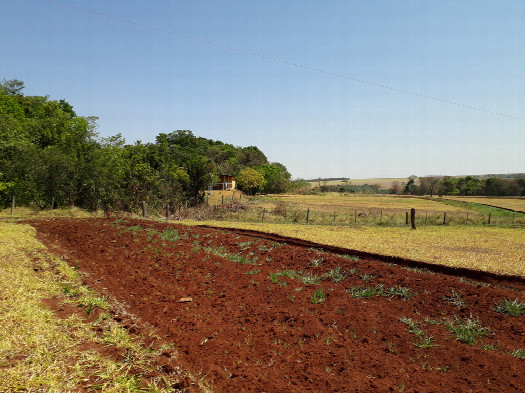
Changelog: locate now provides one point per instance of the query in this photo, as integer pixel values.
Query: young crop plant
(244, 245)
(367, 277)
(364, 292)
(402, 292)
(336, 274)
(274, 277)
(423, 341)
(352, 258)
(171, 235)
(380, 290)
(240, 259)
(467, 330)
(133, 229)
(316, 262)
(318, 297)
(418, 270)
(455, 299)
(519, 353)
(513, 308)
(309, 278)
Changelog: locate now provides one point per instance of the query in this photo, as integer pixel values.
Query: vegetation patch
(511, 307)
(39, 352)
(380, 290)
(467, 330)
(496, 250)
(423, 340)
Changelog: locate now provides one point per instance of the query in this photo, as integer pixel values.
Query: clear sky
(151, 66)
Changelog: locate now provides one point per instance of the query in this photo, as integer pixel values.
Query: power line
(282, 61)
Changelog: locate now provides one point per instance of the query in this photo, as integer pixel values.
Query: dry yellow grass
(334, 201)
(496, 250)
(25, 212)
(215, 197)
(517, 204)
(41, 353)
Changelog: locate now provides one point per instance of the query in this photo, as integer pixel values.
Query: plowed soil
(256, 315)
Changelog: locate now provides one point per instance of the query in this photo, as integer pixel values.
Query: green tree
(250, 181)
(201, 173)
(12, 87)
(276, 176)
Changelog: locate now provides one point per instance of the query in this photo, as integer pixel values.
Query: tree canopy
(50, 156)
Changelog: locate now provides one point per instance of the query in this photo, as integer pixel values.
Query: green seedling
(134, 228)
(171, 235)
(402, 292)
(318, 297)
(367, 277)
(274, 277)
(309, 278)
(336, 274)
(455, 299)
(513, 308)
(423, 341)
(363, 292)
(519, 353)
(467, 330)
(350, 257)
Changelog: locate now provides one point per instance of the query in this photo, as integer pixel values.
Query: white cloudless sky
(144, 67)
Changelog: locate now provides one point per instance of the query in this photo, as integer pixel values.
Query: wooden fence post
(413, 218)
(144, 209)
(381, 216)
(466, 222)
(167, 211)
(406, 218)
(489, 217)
(13, 205)
(308, 215)
(334, 217)
(222, 202)
(355, 216)
(426, 215)
(444, 218)
(264, 211)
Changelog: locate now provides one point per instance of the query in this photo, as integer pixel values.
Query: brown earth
(217, 297)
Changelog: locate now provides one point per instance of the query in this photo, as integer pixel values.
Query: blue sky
(147, 77)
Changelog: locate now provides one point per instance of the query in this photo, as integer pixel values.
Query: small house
(226, 182)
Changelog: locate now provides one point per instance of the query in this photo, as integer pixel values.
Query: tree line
(468, 186)
(51, 157)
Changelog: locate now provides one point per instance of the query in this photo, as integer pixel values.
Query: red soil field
(265, 316)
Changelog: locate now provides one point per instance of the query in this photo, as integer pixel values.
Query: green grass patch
(467, 330)
(318, 297)
(519, 353)
(513, 308)
(423, 340)
(380, 290)
(170, 235)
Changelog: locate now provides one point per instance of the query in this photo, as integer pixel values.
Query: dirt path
(262, 316)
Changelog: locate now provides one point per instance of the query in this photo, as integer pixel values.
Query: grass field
(370, 210)
(38, 351)
(517, 204)
(330, 202)
(497, 250)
